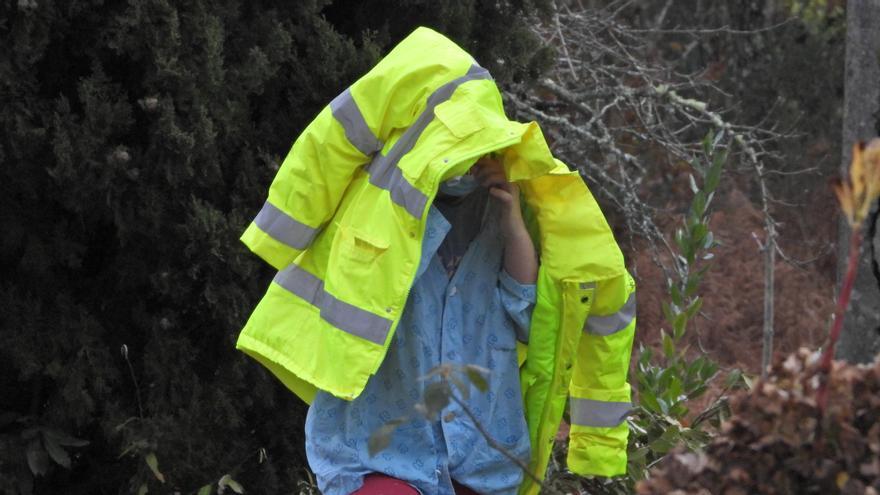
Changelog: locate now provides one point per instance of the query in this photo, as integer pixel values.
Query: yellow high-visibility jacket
(344, 222)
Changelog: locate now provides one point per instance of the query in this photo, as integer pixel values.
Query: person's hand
(490, 174)
(520, 259)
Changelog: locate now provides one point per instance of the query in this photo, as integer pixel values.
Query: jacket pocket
(460, 117)
(357, 245)
(354, 258)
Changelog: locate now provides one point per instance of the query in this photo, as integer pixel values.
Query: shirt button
(453, 291)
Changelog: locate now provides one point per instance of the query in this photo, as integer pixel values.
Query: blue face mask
(459, 186)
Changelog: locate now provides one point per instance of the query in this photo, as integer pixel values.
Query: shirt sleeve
(518, 301)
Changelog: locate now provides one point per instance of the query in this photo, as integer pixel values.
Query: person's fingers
(514, 189)
(502, 195)
(480, 171)
(492, 179)
(485, 166)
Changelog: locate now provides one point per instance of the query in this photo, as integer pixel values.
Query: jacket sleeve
(343, 137)
(599, 392)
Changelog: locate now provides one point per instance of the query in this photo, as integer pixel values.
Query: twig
(719, 30)
(494, 443)
(562, 42)
(855, 243)
(137, 389)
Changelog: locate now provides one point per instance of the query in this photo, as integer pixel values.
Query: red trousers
(379, 484)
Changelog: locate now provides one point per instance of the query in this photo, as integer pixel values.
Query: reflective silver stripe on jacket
(384, 170)
(340, 314)
(346, 111)
(284, 228)
(607, 325)
(597, 413)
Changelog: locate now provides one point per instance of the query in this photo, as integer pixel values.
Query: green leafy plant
(32, 450)
(669, 382)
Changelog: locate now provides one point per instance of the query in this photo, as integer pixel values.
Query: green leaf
(709, 369)
(734, 379)
(692, 284)
(698, 237)
(697, 165)
(436, 398)
(697, 392)
(667, 441)
(639, 453)
(695, 439)
(143, 489)
(675, 388)
(227, 482)
(205, 490)
(37, 459)
(55, 451)
(153, 463)
(707, 143)
(712, 179)
(669, 311)
(649, 400)
(476, 375)
(678, 410)
(62, 438)
(678, 326)
(380, 439)
(710, 241)
(694, 307)
(668, 345)
(716, 141)
(698, 206)
(709, 199)
(663, 379)
(675, 293)
(664, 406)
(679, 240)
(637, 469)
(689, 256)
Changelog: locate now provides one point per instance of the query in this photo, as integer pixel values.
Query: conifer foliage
(137, 140)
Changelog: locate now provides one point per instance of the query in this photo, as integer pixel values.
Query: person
(379, 278)
(471, 300)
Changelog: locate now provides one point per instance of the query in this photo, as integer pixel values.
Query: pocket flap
(361, 245)
(460, 117)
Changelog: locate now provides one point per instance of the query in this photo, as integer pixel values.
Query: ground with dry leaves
(777, 443)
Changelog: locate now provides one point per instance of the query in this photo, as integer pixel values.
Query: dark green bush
(137, 139)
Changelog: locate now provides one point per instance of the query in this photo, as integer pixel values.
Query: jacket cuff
(596, 451)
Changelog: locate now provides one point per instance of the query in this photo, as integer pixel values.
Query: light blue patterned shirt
(473, 318)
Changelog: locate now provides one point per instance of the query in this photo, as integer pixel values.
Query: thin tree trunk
(860, 341)
(769, 276)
